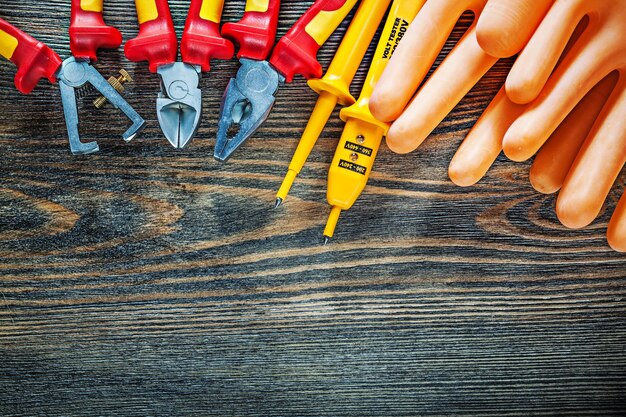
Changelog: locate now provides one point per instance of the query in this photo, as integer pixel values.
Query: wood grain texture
(149, 281)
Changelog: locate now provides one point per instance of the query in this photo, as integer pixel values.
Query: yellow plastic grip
(91, 5)
(146, 10)
(350, 53)
(260, 6)
(212, 10)
(326, 22)
(8, 45)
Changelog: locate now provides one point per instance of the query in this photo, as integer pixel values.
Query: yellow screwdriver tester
(334, 87)
(363, 133)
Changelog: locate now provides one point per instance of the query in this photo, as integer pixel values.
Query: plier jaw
(248, 101)
(179, 104)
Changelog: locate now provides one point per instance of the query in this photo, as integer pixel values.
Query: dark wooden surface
(149, 281)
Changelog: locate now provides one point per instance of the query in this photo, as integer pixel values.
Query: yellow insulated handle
(8, 45)
(400, 17)
(146, 11)
(211, 10)
(326, 22)
(91, 5)
(260, 6)
(351, 51)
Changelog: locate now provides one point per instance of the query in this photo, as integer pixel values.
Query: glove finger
(416, 54)
(584, 66)
(506, 26)
(556, 157)
(616, 233)
(483, 144)
(440, 94)
(597, 165)
(537, 61)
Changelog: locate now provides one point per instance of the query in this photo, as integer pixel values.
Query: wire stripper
(363, 133)
(35, 60)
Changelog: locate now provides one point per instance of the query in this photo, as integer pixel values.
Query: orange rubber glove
(503, 28)
(599, 53)
(483, 144)
(453, 79)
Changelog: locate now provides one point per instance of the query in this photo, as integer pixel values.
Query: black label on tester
(358, 149)
(359, 169)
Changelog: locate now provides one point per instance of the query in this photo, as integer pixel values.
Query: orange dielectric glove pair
(563, 100)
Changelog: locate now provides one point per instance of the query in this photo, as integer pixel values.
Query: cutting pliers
(35, 60)
(249, 98)
(179, 104)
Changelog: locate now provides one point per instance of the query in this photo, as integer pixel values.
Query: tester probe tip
(329, 231)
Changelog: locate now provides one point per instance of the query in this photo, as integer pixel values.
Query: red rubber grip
(296, 52)
(202, 41)
(255, 33)
(88, 33)
(156, 41)
(34, 59)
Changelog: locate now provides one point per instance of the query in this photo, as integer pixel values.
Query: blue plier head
(247, 102)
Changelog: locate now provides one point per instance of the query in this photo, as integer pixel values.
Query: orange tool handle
(88, 32)
(255, 33)
(201, 39)
(296, 52)
(34, 59)
(156, 41)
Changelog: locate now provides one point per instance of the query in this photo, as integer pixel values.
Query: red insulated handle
(34, 59)
(296, 52)
(255, 33)
(201, 40)
(156, 41)
(88, 32)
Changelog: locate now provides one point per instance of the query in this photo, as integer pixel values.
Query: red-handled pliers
(179, 104)
(35, 60)
(249, 98)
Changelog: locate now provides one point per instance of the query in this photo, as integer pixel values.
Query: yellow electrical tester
(363, 133)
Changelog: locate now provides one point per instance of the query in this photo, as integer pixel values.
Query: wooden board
(149, 281)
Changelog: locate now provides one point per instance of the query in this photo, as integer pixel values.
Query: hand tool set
(584, 136)
(354, 159)
(249, 97)
(334, 87)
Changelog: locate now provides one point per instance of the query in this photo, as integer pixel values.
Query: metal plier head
(75, 73)
(179, 104)
(248, 100)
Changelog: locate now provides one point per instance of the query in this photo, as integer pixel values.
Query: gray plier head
(179, 105)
